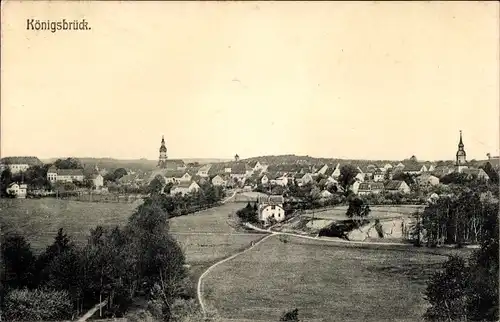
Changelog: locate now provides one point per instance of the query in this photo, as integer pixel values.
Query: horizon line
(241, 159)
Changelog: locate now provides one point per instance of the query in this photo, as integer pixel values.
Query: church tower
(461, 162)
(162, 162)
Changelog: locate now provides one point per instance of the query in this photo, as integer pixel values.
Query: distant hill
(137, 164)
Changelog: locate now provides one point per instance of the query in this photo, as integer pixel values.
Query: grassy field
(380, 212)
(39, 219)
(322, 281)
(207, 235)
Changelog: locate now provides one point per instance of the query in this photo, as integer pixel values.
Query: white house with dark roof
(240, 171)
(366, 188)
(271, 207)
(395, 186)
(64, 175)
(18, 190)
(184, 188)
(19, 164)
(219, 180)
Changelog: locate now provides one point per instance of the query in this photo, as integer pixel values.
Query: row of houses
(76, 175)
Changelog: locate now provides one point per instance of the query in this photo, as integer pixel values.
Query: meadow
(325, 282)
(39, 219)
(208, 235)
(205, 236)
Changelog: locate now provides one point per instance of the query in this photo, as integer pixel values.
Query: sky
(356, 80)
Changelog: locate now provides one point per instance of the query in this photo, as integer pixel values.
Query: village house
(256, 166)
(97, 180)
(427, 179)
(264, 180)
(64, 175)
(203, 171)
(323, 169)
(240, 171)
(441, 171)
(414, 168)
(387, 167)
(400, 166)
(18, 190)
(19, 164)
(306, 178)
(200, 180)
(476, 173)
(280, 181)
(360, 176)
(366, 188)
(397, 186)
(378, 175)
(218, 180)
(336, 172)
(271, 207)
(94, 175)
(184, 188)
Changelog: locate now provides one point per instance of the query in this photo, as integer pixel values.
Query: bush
(26, 305)
(292, 315)
(248, 214)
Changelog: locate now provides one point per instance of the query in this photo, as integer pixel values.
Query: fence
(108, 197)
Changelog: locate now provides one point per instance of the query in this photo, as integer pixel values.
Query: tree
(466, 290)
(488, 168)
(18, 260)
(69, 163)
(156, 185)
(347, 176)
(115, 175)
(36, 176)
(5, 181)
(357, 208)
(248, 214)
(61, 244)
(446, 292)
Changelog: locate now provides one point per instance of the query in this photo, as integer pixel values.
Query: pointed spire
(163, 139)
(460, 143)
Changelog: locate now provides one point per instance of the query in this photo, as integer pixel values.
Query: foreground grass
(323, 281)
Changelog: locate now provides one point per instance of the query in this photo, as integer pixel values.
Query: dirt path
(200, 280)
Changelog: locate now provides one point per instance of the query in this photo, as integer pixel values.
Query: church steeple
(461, 155)
(163, 154)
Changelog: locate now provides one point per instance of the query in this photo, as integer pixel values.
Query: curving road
(199, 291)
